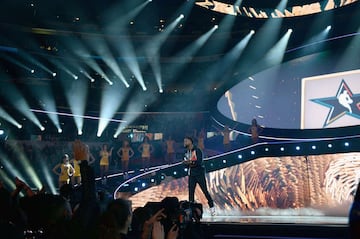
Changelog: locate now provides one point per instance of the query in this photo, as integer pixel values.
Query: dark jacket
(196, 167)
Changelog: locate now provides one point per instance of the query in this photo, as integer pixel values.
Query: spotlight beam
(126, 49)
(101, 48)
(9, 118)
(117, 22)
(107, 111)
(17, 100)
(276, 54)
(153, 48)
(229, 60)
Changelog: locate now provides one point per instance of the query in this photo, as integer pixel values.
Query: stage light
(224, 161)
(54, 74)
(111, 83)
(329, 145)
(152, 180)
(252, 32)
(175, 173)
(313, 147)
(346, 144)
(143, 185)
(2, 132)
(181, 16)
(186, 169)
(328, 28)
(282, 149)
(136, 189)
(276, 54)
(42, 128)
(161, 91)
(19, 126)
(266, 149)
(252, 152)
(32, 71)
(216, 26)
(115, 136)
(76, 77)
(290, 30)
(60, 130)
(80, 132)
(239, 156)
(297, 148)
(149, 0)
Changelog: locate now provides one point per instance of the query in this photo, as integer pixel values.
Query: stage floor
(319, 220)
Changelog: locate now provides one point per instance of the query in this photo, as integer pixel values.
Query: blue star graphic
(343, 103)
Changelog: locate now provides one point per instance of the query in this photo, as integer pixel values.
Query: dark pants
(199, 179)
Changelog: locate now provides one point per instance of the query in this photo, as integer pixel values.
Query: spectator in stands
(116, 220)
(354, 215)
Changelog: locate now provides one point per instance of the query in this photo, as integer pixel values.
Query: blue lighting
(346, 144)
(143, 185)
(252, 152)
(239, 156)
(313, 147)
(329, 145)
(297, 148)
(282, 149)
(211, 165)
(224, 161)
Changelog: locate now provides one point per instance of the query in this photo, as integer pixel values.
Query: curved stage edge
(313, 205)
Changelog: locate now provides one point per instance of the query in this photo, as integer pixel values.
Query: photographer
(150, 227)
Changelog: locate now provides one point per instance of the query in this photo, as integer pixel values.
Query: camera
(181, 213)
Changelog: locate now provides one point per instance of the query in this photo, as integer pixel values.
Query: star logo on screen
(345, 102)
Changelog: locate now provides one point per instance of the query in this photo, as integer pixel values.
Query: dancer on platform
(226, 138)
(194, 160)
(170, 150)
(125, 153)
(255, 130)
(145, 149)
(105, 155)
(66, 170)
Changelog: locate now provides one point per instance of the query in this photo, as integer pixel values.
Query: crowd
(82, 212)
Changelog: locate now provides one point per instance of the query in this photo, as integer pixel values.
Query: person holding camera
(194, 160)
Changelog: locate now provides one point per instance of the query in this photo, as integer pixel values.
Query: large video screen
(334, 100)
(305, 93)
(321, 185)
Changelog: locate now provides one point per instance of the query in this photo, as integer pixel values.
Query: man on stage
(194, 160)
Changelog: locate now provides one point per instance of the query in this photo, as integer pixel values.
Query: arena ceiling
(143, 53)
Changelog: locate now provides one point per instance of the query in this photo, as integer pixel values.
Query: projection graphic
(321, 185)
(331, 100)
